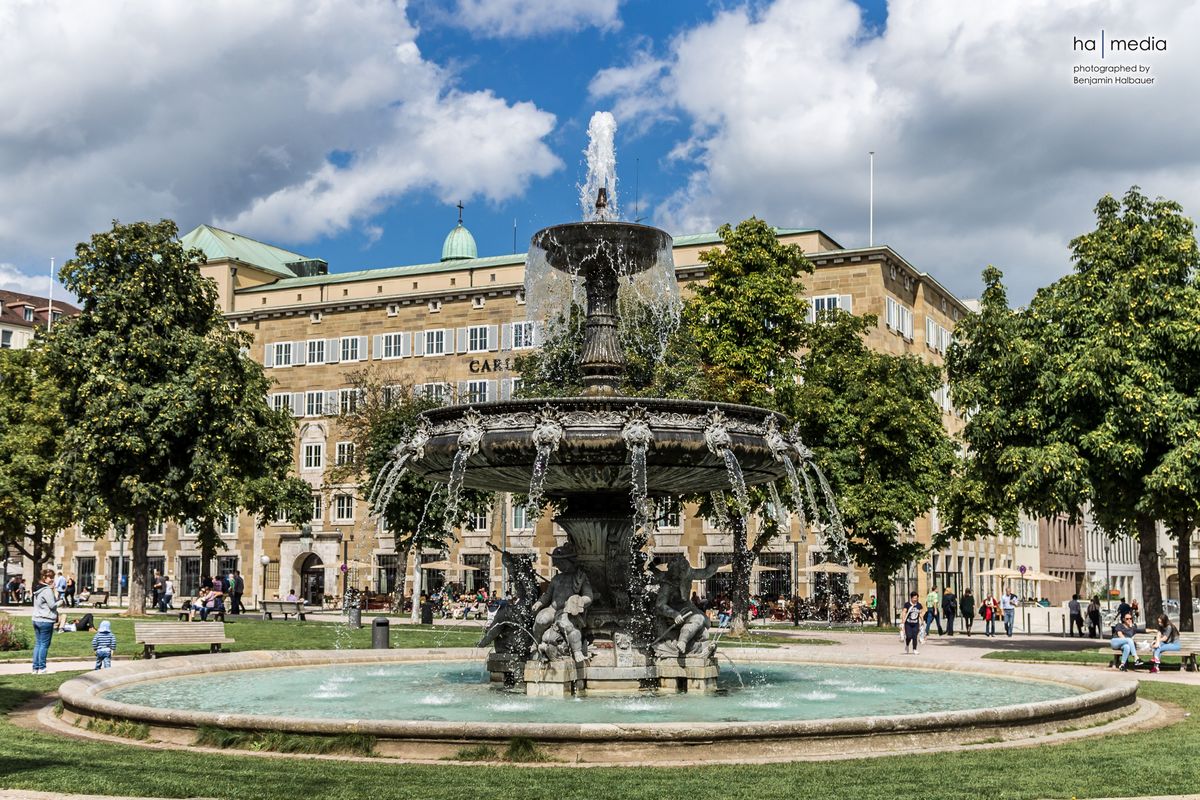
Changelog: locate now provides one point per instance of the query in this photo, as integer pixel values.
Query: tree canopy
(166, 415)
(1089, 395)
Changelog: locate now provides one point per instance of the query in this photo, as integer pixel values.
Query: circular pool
(426, 703)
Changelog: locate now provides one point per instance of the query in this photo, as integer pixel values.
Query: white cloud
(521, 18)
(986, 151)
(14, 280)
(231, 110)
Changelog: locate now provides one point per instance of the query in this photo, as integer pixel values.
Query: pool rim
(82, 695)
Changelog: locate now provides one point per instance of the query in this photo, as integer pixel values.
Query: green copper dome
(459, 244)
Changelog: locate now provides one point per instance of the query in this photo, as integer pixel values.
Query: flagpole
(871, 203)
(50, 312)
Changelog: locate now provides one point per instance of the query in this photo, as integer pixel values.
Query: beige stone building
(452, 328)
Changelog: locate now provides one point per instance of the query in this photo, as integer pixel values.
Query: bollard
(427, 613)
(379, 634)
(355, 616)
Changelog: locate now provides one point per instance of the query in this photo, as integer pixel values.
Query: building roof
(459, 244)
(462, 263)
(219, 244)
(14, 304)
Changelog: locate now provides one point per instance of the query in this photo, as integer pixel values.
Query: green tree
(166, 415)
(870, 419)
(386, 415)
(1094, 398)
(31, 433)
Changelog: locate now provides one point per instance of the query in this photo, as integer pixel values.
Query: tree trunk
(208, 545)
(402, 550)
(37, 556)
(1183, 538)
(1152, 601)
(743, 560)
(883, 598)
(139, 563)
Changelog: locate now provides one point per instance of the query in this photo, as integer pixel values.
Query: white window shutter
(362, 348)
(506, 388)
(462, 392)
(846, 303)
(299, 353)
(333, 351)
(538, 332)
(493, 337)
(297, 404)
(506, 336)
(462, 340)
(930, 334)
(269, 355)
(329, 404)
(812, 311)
(405, 345)
(376, 346)
(491, 391)
(419, 343)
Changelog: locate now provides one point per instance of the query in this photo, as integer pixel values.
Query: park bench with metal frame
(288, 608)
(153, 634)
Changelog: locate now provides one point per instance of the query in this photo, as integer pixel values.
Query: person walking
(1008, 608)
(156, 590)
(1167, 641)
(1076, 615)
(69, 591)
(1093, 613)
(237, 590)
(60, 587)
(168, 593)
(45, 616)
(966, 606)
(911, 630)
(1123, 640)
(933, 601)
(949, 609)
(991, 610)
(104, 644)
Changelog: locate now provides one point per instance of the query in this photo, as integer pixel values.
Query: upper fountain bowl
(625, 247)
(683, 437)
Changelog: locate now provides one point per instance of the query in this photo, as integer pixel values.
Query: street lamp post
(264, 560)
(1107, 577)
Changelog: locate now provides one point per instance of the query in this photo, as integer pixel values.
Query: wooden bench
(185, 610)
(152, 634)
(1189, 649)
(288, 608)
(97, 599)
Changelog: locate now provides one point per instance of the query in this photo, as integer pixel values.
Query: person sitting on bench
(197, 606)
(1167, 641)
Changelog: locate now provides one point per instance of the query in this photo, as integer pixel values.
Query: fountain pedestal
(687, 674)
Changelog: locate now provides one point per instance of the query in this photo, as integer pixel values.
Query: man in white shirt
(1008, 606)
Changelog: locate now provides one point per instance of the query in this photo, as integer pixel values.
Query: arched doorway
(312, 580)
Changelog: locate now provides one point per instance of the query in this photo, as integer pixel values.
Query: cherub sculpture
(682, 627)
(509, 632)
(562, 608)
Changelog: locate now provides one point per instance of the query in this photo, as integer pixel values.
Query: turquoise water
(459, 692)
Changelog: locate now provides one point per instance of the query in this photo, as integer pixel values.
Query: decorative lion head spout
(802, 450)
(779, 446)
(547, 431)
(637, 433)
(716, 436)
(472, 433)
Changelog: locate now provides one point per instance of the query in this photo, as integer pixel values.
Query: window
(520, 297)
(477, 301)
(345, 453)
(228, 525)
(283, 354)
(314, 403)
(434, 391)
(435, 342)
(348, 400)
(316, 351)
(85, 573)
(393, 309)
(343, 508)
(282, 402)
(189, 577)
(477, 338)
(937, 338)
(477, 392)
(392, 345)
(434, 305)
(350, 348)
(478, 522)
(314, 317)
(392, 395)
(314, 456)
(318, 510)
(522, 335)
(28, 314)
(6, 340)
(827, 303)
(521, 518)
(898, 317)
(668, 513)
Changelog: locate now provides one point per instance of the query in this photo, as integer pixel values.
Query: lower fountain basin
(592, 455)
(440, 697)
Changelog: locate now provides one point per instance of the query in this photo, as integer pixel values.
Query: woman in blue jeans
(45, 616)
(1123, 640)
(1167, 641)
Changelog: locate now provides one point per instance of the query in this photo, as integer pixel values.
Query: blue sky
(348, 131)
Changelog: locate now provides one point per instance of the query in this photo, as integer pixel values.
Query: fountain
(606, 625)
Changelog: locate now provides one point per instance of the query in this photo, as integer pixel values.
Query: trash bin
(355, 616)
(379, 634)
(426, 613)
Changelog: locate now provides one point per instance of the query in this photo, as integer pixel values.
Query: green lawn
(254, 634)
(1053, 656)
